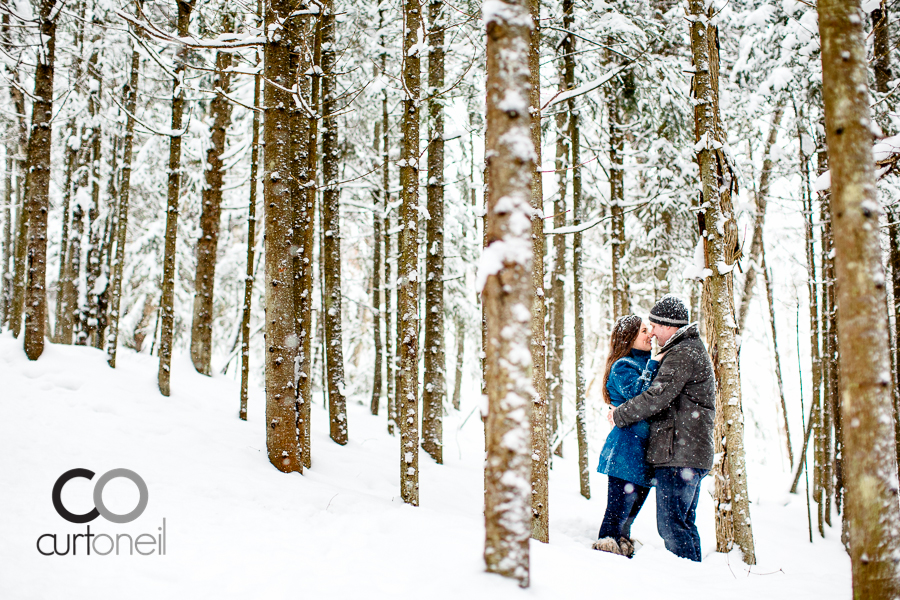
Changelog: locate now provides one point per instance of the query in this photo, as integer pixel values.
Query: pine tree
(167, 301)
(722, 251)
(434, 382)
(207, 245)
(868, 451)
(38, 190)
(407, 388)
(507, 289)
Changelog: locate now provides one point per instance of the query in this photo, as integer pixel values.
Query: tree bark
(620, 304)
(377, 287)
(868, 451)
(251, 231)
(558, 275)
(722, 252)
(408, 266)
(540, 457)
(7, 238)
(167, 299)
(577, 271)
(331, 220)
(38, 192)
(508, 288)
(756, 246)
(434, 366)
(389, 314)
(124, 197)
(93, 315)
(207, 245)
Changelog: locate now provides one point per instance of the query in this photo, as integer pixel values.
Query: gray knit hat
(670, 311)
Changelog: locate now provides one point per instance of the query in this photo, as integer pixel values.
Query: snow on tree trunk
(414, 44)
(722, 251)
(868, 443)
(94, 287)
(207, 245)
(620, 304)
(558, 274)
(756, 246)
(124, 196)
(281, 343)
(377, 287)
(167, 300)
(389, 314)
(434, 364)
(584, 475)
(505, 279)
(251, 233)
(38, 192)
(7, 236)
(331, 221)
(540, 458)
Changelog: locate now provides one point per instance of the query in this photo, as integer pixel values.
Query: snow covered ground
(238, 528)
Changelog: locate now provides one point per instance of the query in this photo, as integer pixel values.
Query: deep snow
(238, 528)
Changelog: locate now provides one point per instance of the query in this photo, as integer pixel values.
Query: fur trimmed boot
(607, 544)
(626, 546)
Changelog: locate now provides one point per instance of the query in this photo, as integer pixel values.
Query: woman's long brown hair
(624, 332)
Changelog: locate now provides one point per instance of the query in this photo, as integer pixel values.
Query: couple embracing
(663, 410)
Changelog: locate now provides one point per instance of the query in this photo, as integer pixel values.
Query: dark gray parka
(680, 405)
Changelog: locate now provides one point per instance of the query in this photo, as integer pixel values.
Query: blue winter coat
(623, 454)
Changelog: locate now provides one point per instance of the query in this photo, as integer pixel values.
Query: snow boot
(607, 544)
(626, 546)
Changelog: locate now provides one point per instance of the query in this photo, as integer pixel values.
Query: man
(680, 408)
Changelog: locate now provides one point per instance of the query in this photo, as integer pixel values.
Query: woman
(629, 371)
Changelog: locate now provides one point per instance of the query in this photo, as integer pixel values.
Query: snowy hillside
(238, 528)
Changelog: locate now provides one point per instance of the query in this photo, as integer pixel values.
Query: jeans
(624, 502)
(677, 492)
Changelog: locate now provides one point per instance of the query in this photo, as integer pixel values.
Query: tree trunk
(722, 252)
(771, 302)
(558, 275)
(205, 278)
(577, 271)
(124, 197)
(62, 333)
(868, 445)
(434, 366)
(167, 300)
(756, 246)
(508, 288)
(460, 353)
(281, 338)
(38, 192)
(377, 288)
(331, 220)
(251, 231)
(93, 314)
(620, 304)
(540, 457)
(389, 314)
(7, 237)
(408, 266)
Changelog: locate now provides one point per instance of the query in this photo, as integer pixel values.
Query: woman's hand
(609, 416)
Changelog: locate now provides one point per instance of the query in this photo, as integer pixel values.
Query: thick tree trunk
(207, 245)
(282, 416)
(167, 300)
(331, 221)
(434, 365)
(251, 233)
(508, 288)
(577, 271)
(38, 192)
(124, 197)
(408, 266)
(722, 252)
(756, 246)
(540, 457)
(868, 445)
